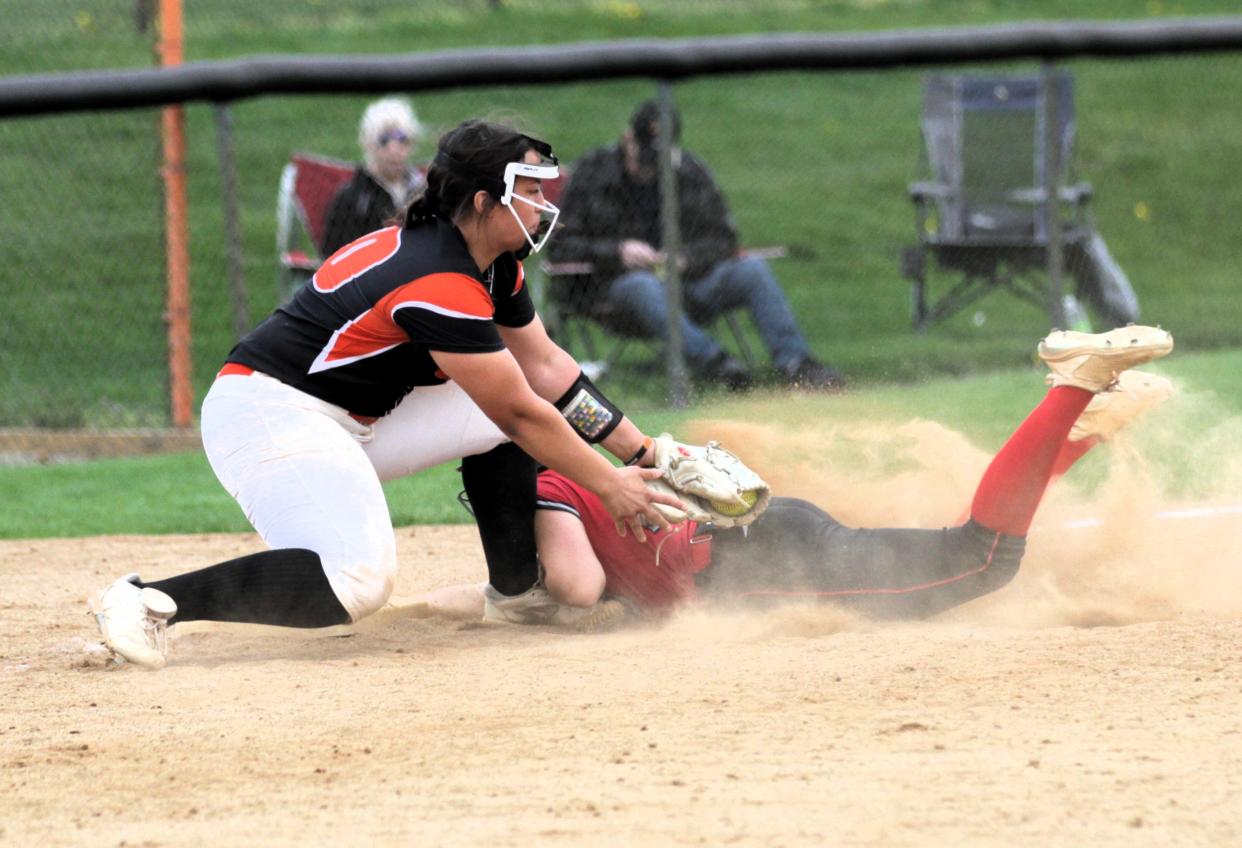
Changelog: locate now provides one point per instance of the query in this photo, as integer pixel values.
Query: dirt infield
(1095, 701)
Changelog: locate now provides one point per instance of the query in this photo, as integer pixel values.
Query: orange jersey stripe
(456, 295)
(356, 258)
(369, 335)
(375, 331)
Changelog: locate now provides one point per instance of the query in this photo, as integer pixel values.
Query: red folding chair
(307, 185)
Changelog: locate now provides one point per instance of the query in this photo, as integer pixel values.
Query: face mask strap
(535, 247)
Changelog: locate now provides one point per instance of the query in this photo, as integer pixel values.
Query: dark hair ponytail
(469, 158)
(425, 205)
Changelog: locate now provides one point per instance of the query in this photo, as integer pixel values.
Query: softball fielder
(411, 346)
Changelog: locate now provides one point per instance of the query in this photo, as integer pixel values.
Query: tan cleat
(1093, 361)
(133, 621)
(1135, 393)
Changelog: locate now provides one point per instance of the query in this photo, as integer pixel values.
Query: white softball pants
(307, 475)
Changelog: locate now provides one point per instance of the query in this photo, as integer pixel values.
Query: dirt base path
(1086, 704)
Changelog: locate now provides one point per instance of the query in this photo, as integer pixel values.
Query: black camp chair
(982, 213)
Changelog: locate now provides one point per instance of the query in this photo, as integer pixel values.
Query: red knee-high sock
(1015, 481)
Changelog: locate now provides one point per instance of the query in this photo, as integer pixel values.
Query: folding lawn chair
(983, 214)
(307, 185)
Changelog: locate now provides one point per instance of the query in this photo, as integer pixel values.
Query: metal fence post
(232, 219)
(678, 379)
(1052, 194)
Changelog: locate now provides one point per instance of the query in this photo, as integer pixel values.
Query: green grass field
(177, 493)
(816, 162)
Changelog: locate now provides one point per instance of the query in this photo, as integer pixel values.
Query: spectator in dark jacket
(611, 225)
(386, 180)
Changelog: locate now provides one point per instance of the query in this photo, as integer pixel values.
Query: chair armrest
(776, 251)
(921, 191)
(1077, 193)
(567, 269)
(299, 261)
(1029, 196)
(1034, 196)
(573, 269)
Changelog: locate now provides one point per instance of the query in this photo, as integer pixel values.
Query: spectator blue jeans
(741, 283)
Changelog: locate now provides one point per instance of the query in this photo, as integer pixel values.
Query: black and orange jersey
(359, 334)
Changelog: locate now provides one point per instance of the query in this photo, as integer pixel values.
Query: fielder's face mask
(545, 169)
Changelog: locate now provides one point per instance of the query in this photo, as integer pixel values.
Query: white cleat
(1135, 393)
(1093, 361)
(534, 606)
(134, 620)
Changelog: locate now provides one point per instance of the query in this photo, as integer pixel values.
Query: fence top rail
(650, 58)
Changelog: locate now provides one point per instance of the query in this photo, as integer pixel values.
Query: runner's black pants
(796, 550)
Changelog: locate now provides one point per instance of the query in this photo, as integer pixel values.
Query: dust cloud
(1147, 527)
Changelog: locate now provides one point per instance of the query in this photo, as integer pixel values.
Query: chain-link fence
(813, 170)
